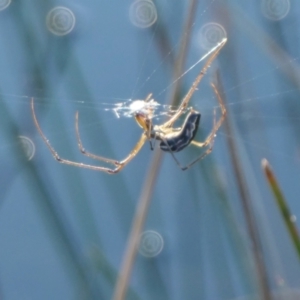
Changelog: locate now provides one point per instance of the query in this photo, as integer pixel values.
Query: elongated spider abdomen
(176, 141)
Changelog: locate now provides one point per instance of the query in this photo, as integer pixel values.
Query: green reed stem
(288, 217)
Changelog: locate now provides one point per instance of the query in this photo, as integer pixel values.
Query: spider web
(259, 74)
(263, 79)
(257, 77)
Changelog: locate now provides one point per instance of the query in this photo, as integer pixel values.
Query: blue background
(63, 230)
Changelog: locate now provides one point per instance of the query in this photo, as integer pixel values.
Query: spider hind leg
(209, 141)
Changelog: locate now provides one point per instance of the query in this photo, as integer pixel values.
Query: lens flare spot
(210, 34)
(143, 13)
(275, 9)
(151, 243)
(60, 20)
(27, 146)
(4, 4)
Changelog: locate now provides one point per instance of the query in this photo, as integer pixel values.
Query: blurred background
(211, 232)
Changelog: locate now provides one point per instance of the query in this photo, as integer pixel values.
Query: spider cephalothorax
(145, 122)
(171, 139)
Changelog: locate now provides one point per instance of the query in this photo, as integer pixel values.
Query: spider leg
(215, 51)
(148, 97)
(217, 125)
(119, 167)
(208, 150)
(132, 154)
(86, 153)
(151, 145)
(208, 142)
(183, 168)
(211, 137)
(148, 133)
(174, 157)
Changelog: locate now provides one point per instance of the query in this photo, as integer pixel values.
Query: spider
(171, 139)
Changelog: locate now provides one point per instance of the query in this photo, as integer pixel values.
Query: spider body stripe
(178, 140)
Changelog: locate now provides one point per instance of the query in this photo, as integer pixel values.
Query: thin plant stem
(147, 191)
(262, 277)
(288, 217)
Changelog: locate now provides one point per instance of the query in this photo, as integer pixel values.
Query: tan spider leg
(150, 125)
(217, 125)
(86, 153)
(120, 165)
(191, 91)
(132, 154)
(208, 151)
(211, 137)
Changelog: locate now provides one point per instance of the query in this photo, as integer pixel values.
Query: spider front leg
(119, 165)
(89, 154)
(214, 53)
